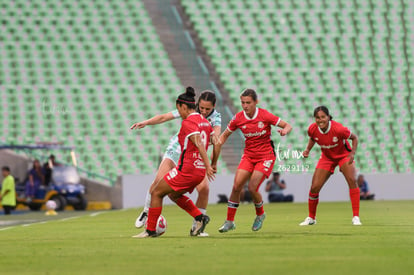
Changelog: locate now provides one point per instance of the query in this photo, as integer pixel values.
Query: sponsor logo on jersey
(205, 124)
(260, 124)
(329, 146)
(199, 164)
(335, 139)
(244, 127)
(316, 138)
(255, 134)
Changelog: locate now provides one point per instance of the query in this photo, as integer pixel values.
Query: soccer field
(101, 243)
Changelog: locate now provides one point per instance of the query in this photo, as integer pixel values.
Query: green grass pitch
(101, 243)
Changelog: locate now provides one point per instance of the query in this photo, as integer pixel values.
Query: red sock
(231, 210)
(187, 204)
(153, 215)
(313, 204)
(259, 208)
(354, 193)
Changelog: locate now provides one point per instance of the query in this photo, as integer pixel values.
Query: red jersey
(334, 142)
(190, 157)
(257, 131)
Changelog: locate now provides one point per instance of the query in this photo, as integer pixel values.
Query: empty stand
(352, 56)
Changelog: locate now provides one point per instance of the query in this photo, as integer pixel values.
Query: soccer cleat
(202, 233)
(258, 222)
(200, 226)
(141, 220)
(227, 226)
(308, 221)
(145, 234)
(356, 221)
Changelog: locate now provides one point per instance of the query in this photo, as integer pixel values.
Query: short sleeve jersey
(173, 150)
(334, 142)
(214, 117)
(257, 131)
(190, 157)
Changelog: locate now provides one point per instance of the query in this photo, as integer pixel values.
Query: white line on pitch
(6, 228)
(67, 219)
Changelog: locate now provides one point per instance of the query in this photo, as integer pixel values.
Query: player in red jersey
(259, 157)
(193, 166)
(332, 137)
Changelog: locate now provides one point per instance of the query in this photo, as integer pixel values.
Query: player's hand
(214, 167)
(351, 158)
(282, 132)
(306, 153)
(210, 173)
(137, 125)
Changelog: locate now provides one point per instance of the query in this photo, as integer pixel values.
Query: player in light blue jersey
(205, 106)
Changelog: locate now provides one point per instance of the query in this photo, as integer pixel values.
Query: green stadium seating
(81, 72)
(353, 56)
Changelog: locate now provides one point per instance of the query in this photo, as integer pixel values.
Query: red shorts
(262, 165)
(184, 181)
(330, 164)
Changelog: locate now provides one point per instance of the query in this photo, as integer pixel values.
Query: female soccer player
(193, 166)
(205, 106)
(332, 137)
(258, 159)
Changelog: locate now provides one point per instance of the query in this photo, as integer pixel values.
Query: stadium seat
(325, 50)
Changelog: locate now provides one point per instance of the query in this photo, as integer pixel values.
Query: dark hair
(323, 109)
(5, 168)
(208, 95)
(276, 174)
(187, 98)
(249, 92)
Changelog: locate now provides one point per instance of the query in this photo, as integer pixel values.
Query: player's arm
(158, 119)
(351, 155)
(215, 155)
(309, 147)
(216, 134)
(286, 128)
(196, 139)
(224, 136)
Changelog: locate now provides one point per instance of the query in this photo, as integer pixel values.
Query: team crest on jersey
(260, 124)
(335, 139)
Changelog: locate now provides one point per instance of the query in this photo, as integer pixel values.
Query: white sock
(147, 202)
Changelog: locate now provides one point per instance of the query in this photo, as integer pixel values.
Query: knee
(315, 189)
(172, 197)
(237, 188)
(252, 188)
(204, 190)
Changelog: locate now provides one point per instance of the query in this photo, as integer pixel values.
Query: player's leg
(349, 172)
(160, 190)
(185, 203)
(320, 176)
(203, 190)
(165, 166)
(240, 180)
(255, 181)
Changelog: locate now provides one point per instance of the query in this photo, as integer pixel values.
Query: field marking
(6, 228)
(70, 218)
(97, 213)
